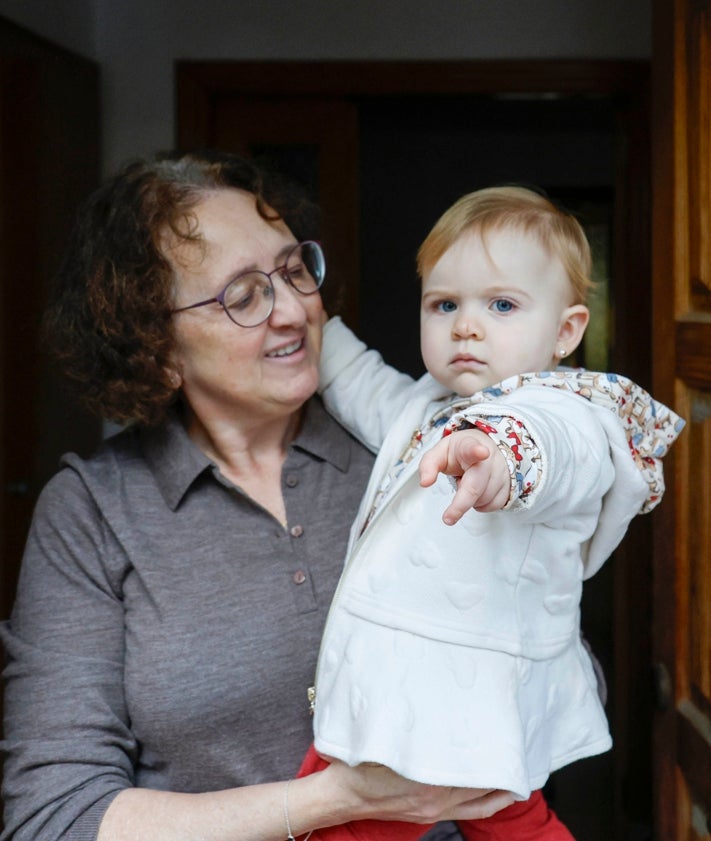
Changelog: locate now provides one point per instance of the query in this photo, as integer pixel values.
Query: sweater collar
(176, 462)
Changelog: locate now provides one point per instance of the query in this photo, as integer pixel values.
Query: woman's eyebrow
(253, 267)
(284, 253)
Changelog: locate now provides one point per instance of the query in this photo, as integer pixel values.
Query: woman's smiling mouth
(286, 350)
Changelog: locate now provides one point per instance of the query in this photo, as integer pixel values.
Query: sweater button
(296, 531)
(299, 576)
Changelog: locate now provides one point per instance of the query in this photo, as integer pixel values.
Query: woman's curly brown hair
(109, 315)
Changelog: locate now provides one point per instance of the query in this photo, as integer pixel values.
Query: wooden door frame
(201, 85)
(198, 82)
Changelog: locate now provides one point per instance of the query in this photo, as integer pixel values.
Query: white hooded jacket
(453, 654)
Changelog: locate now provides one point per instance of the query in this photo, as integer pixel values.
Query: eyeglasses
(248, 300)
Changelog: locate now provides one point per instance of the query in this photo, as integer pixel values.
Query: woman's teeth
(285, 351)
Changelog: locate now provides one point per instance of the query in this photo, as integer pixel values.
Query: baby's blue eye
(502, 305)
(446, 306)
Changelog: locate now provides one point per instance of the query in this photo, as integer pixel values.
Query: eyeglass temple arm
(199, 304)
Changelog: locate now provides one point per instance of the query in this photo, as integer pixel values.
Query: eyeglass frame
(280, 270)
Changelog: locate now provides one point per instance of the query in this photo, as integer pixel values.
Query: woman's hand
(377, 792)
(483, 479)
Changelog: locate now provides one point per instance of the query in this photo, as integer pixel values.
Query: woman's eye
(502, 305)
(247, 292)
(446, 306)
(243, 302)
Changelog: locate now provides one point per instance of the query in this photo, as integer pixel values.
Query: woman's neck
(248, 452)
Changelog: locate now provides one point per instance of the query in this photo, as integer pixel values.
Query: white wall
(69, 23)
(137, 41)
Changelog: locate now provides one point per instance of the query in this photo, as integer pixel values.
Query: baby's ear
(573, 322)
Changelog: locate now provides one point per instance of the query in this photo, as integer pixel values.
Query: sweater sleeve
(358, 388)
(69, 752)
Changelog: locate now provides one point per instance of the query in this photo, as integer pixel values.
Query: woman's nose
(289, 305)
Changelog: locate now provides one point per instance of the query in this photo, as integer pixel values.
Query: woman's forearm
(252, 813)
(258, 813)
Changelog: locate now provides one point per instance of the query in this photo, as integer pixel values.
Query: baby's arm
(363, 393)
(481, 471)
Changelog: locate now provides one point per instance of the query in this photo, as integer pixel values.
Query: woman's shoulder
(114, 455)
(93, 480)
(136, 469)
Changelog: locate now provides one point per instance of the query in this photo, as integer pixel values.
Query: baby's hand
(482, 475)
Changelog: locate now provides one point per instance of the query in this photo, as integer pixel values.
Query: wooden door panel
(49, 161)
(693, 632)
(698, 136)
(682, 325)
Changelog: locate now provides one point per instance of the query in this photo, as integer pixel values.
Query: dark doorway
(386, 148)
(419, 154)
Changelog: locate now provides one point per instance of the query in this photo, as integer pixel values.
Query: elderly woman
(175, 585)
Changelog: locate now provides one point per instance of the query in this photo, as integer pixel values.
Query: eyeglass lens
(249, 299)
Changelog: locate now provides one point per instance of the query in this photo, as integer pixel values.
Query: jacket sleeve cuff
(518, 448)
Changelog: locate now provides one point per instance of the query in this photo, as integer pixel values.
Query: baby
(453, 652)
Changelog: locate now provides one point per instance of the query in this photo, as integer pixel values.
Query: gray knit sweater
(166, 627)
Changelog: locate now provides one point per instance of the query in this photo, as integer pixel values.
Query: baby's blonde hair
(517, 208)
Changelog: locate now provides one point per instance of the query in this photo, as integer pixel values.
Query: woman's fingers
(392, 797)
(484, 806)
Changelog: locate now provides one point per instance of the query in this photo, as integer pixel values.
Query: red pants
(528, 820)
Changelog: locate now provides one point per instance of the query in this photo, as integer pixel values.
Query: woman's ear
(573, 322)
(174, 377)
